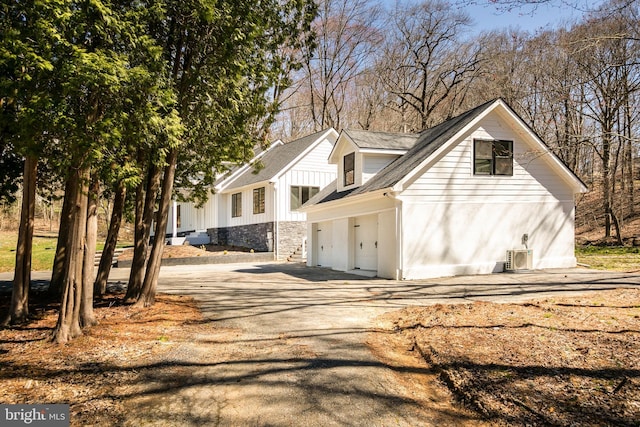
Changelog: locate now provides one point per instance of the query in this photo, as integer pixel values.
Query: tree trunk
(606, 181)
(100, 285)
(57, 274)
(616, 224)
(145, 206)
(68, 326)
(19, 310)
(87, 317)
(148, 294)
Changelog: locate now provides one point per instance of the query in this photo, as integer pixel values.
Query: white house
(257, 207)
(454, 199)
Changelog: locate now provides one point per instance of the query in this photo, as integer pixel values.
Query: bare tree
(346, 36)
(608, 59)
(427, 59)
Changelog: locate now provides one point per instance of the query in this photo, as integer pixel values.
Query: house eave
(348, 200)
(382, 151)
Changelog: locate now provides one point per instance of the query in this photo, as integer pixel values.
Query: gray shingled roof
(428, 142)
(275, 159)
(382, 140)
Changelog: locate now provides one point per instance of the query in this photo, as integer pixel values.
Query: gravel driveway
(294, 351)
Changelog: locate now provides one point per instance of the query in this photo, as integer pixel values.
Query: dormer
(359, 155)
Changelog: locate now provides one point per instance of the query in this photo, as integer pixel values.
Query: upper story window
(492, 157)
(258, 200)
(236, 205)
(300, 195)
(349, 169)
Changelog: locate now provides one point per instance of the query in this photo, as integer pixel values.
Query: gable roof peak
(278, 157)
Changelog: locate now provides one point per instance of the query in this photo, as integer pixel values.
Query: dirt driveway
(294, 349)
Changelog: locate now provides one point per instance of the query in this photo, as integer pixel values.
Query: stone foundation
(258, 237)
(261, 237)
(290, 237)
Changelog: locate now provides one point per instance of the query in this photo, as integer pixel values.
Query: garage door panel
(324, 244)
(366, 242)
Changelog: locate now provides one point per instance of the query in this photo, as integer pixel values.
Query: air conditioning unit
(519, 259)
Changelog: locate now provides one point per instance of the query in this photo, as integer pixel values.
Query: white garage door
(366, 242)
(323, 244)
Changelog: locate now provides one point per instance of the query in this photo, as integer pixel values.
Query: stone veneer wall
(291, 234)
(260, 237)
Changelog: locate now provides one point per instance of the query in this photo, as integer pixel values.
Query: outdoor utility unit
(519, 259)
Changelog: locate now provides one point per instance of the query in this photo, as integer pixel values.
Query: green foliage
(44, 248)
(11, 166)
(233, 57)
(626, 258)
(117, 83)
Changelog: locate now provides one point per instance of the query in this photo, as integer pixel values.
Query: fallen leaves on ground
(97, 371)
(188, 251)
(560, 361)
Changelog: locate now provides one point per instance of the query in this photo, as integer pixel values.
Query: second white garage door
(324, 244)
(366, 242)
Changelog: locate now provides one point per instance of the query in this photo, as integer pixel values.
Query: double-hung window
(236, 205)
(300, 195)
(258, 200)
(492, 157)
(349, 169)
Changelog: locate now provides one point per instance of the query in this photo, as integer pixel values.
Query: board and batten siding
(193, 219)
(313, 170)
(248, 217)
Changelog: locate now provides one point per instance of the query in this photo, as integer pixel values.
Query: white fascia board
(342, 137)
(347, 200)
(228, 181)
(383, 151)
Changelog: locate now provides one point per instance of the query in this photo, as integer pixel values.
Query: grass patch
(609, 258)
(44, 250)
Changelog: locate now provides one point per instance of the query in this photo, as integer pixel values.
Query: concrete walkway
(295, 352)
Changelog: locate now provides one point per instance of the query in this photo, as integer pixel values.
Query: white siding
(374, 163)
(195, 219)
(447, 239)
(451, 178)
(313, 170)
(248, 217)
(458, 223)
(449, 222)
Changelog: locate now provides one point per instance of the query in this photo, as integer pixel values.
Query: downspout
(174, 219)
(276, 237)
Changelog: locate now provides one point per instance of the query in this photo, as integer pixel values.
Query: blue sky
(527, 18)
(487, 16)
